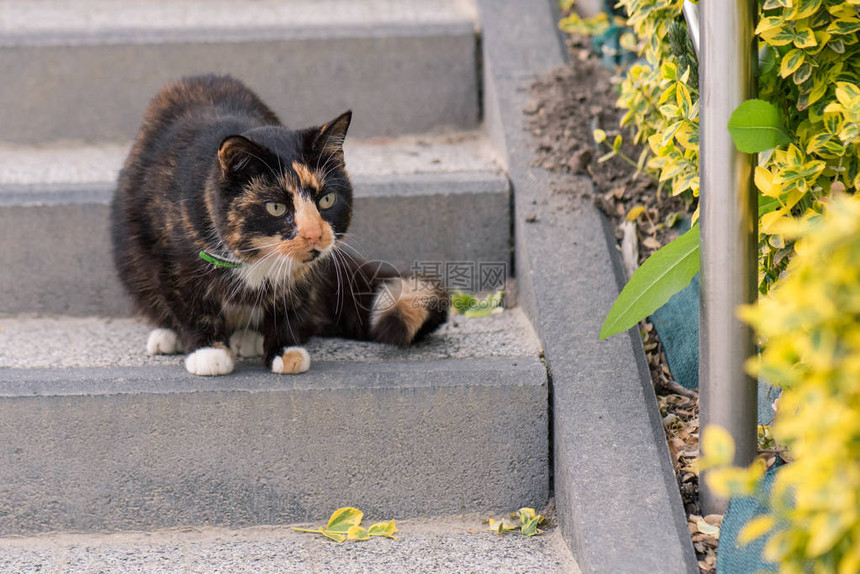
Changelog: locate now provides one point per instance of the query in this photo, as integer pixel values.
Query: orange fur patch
(410, 305)
(294, 362)
(308, 178)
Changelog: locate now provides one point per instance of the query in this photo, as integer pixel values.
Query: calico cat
(224, 219)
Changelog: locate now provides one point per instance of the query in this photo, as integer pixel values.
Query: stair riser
(400, 441)
(407, 80)
(57, 258)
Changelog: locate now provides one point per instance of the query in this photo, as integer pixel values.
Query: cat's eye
(327, 200)
(275, 208)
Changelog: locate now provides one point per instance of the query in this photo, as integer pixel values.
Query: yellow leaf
(765, 184)
(336, 536)
(776, 547)
(599, 136)
(633, 214)
(386, 529)
(343, 519)
(718, 447)
(755, 528)
(850, 563)
(825, 530)
(357, 533)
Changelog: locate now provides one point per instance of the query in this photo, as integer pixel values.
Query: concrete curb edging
(616, 492)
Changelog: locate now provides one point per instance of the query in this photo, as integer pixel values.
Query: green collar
(217, 261)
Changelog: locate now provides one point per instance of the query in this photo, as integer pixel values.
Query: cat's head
(284, 198)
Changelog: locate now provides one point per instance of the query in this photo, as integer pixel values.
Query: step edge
(131, 36)
(365, 186)
(324, 376)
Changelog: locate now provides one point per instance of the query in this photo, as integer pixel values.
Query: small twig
(629, 247)
(675, 388)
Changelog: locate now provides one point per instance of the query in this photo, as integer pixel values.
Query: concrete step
(97, 436)
(86, 69)
(428, 198)
(451, 544)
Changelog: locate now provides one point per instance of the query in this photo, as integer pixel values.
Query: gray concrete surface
(86, 70)
(77, 162)
(130, 448)
(617, 498)
(98, 16)
(417, 199)
(39, 342)
(437, 546)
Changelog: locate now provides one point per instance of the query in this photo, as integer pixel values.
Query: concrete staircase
(95, 436)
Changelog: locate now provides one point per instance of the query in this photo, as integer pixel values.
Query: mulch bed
(566, 107)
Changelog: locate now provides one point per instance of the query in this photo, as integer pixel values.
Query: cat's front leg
(282, 339)
(207, 341)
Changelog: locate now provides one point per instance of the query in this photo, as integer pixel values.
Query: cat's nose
(312, 233)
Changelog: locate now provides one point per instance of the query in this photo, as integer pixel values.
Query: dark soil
(566, 107)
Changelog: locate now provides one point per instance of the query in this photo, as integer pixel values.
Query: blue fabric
(767, 393)
(732, 559)
(677, 323)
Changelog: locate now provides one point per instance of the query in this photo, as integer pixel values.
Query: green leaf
(525, 514)
(337, 537)
(844, 27)
(343, 519)
(530, 528)
(756, 126)
(791, 62)
(500, 526)
(357, 533)
(386, 529)
(462, 302)
(767, 204)
(666, 272)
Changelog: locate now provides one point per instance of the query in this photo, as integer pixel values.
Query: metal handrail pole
(691, 15)
(729, 230)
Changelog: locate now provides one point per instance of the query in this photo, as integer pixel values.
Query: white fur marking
(386, 299)
(276, 270)
(246, 343)
(292, 365)
(209, 361)
(242, 316)
(162, 342)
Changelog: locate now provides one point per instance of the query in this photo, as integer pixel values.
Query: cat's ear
(240, 157)
(330, 138)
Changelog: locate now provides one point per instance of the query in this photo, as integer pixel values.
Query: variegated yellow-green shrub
(809, 68)
(809, 321)
(810, 324)
(661, 96)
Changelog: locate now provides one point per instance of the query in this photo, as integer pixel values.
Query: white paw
(162, 342)
(292, 360)
(210, 361)
(246, 343)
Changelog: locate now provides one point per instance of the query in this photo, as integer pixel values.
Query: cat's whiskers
(349, 286)
(338, 307)
(288, 292)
